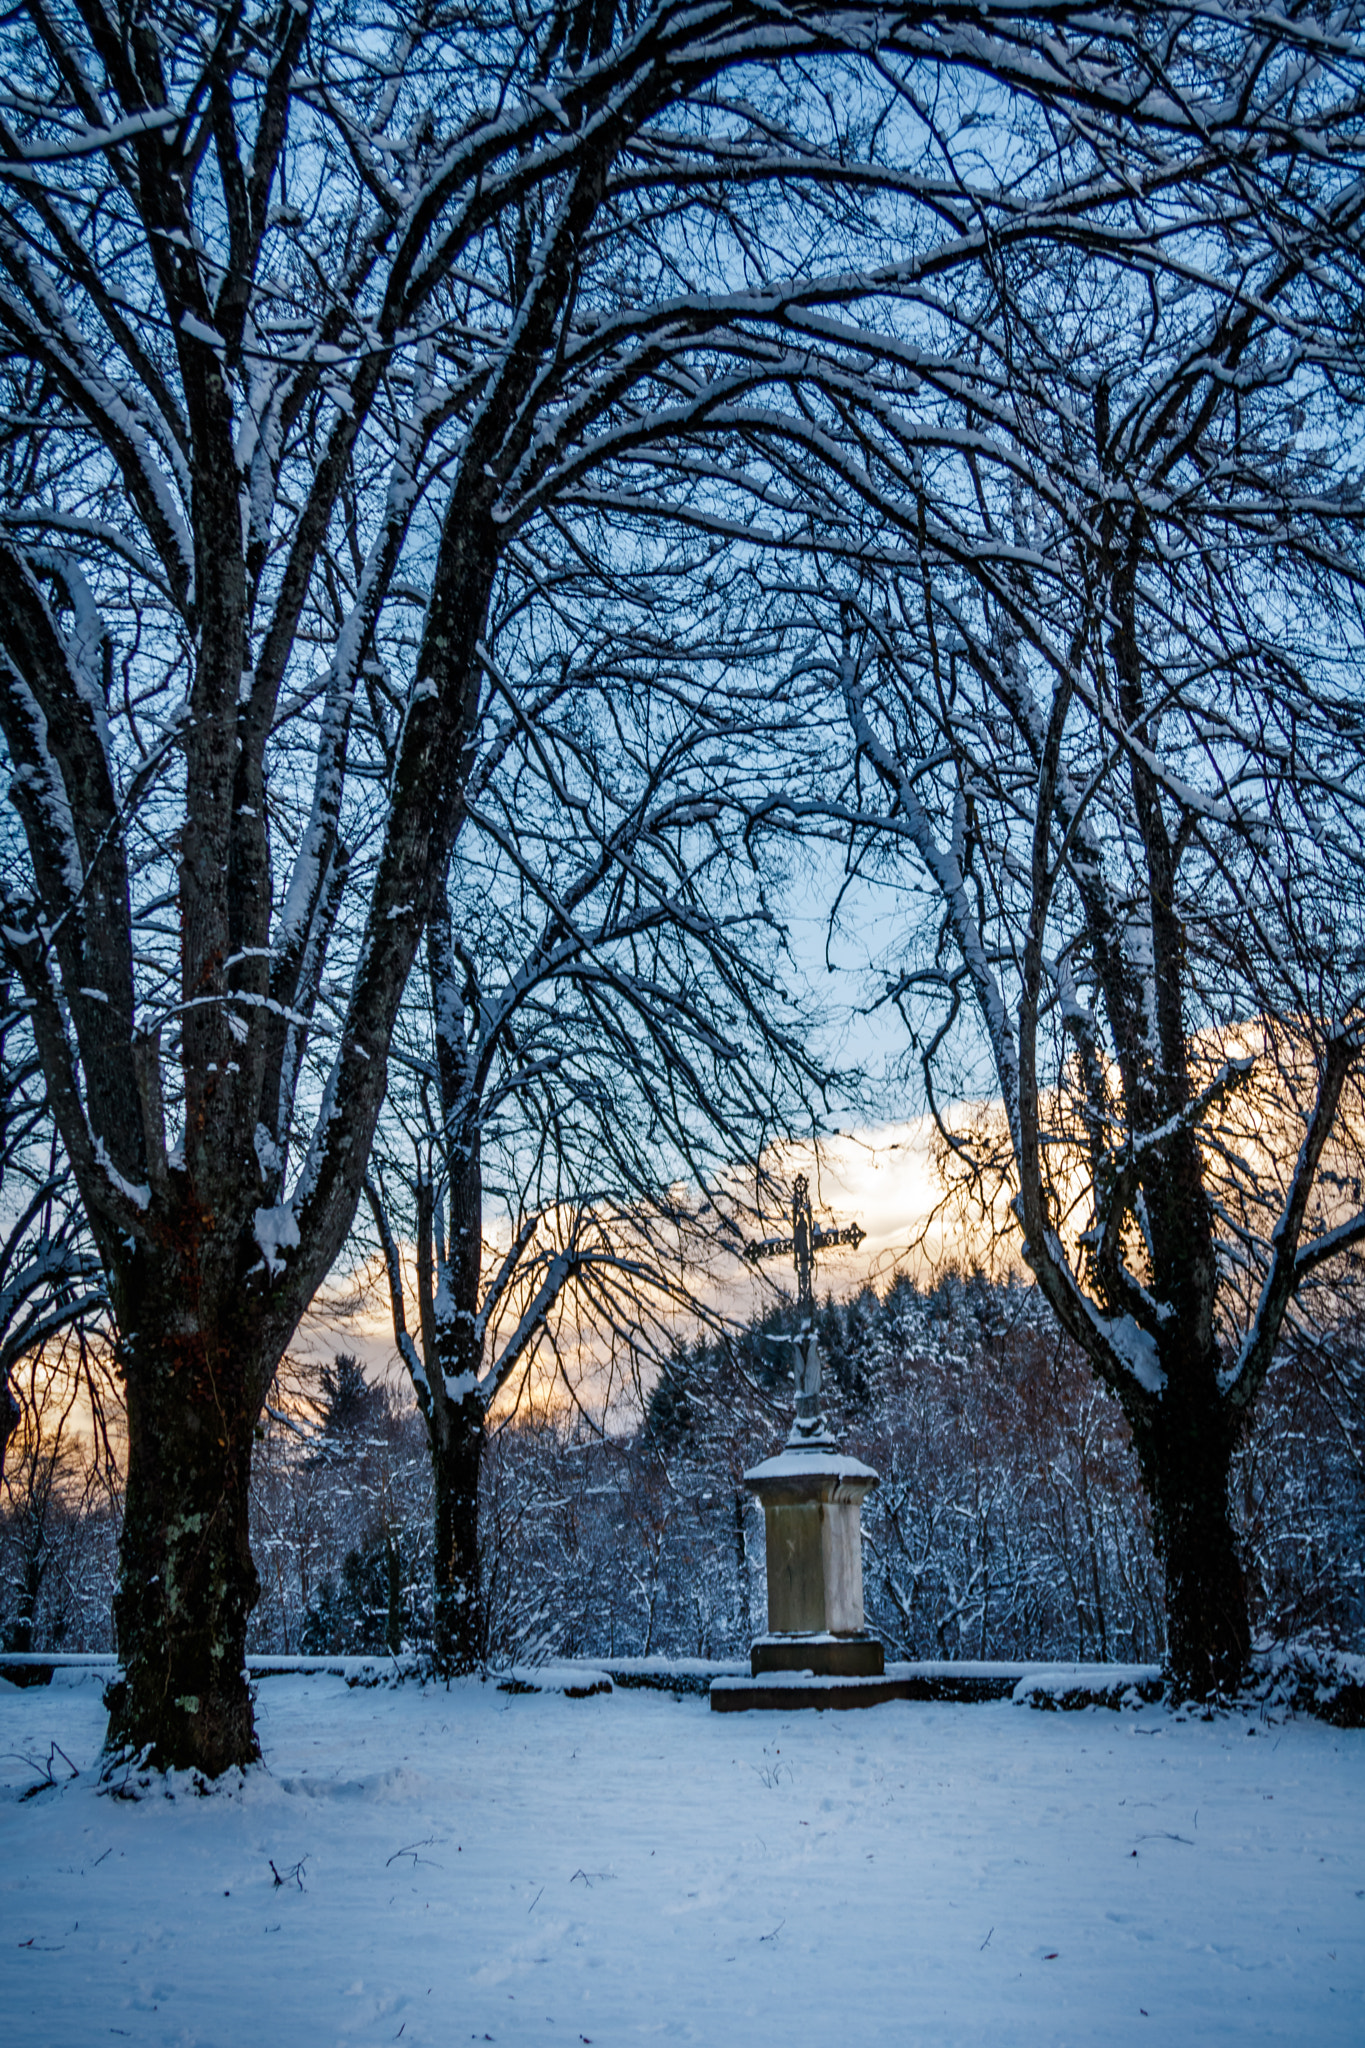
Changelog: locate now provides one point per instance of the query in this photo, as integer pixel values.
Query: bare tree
(303, 326)
(1113, 717)
(59, 1497)
(49, 1274)
(606, 1040)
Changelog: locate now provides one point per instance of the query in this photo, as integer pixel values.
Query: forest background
(1010, 1521)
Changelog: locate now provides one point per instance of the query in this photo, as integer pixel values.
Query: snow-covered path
(472, 1865)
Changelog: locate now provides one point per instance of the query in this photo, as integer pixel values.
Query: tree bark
(187, 1583)
(1185, 1450)
(452, 1338)
(458, 1626)
(10, 1417)
(742, 1564)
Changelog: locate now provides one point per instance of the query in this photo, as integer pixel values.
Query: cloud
(881, 1177)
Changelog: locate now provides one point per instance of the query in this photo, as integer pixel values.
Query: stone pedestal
(812, 1506)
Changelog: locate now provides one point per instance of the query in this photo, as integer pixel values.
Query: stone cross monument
(812, 1502)
(808, 1424)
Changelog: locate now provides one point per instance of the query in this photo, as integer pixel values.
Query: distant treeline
(1009, 1521)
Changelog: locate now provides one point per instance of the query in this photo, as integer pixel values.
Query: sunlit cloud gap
(899, 1181)
(884, 1177)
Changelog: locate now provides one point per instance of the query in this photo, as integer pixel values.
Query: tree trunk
(1186, 1457)
(393, 1560)
(458, 1628)
(10, 1418)
(742, 1565)
(187, 1583)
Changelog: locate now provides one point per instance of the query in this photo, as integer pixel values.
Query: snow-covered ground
(474, 1865)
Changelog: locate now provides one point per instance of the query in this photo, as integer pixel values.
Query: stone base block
(780, 1691)
(824, 1656)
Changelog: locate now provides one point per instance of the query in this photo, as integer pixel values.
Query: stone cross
(812, 1498)
(808, 1425)
(805, 1241)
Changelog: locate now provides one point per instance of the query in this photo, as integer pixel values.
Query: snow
(138, 1193)
(277, 1232)
(794, 1461)
(528, 1867)
(1137, 1348)
(802, 1681)
(198, 330)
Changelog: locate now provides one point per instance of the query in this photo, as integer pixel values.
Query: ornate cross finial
(805, 1241)
(809, 1429)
